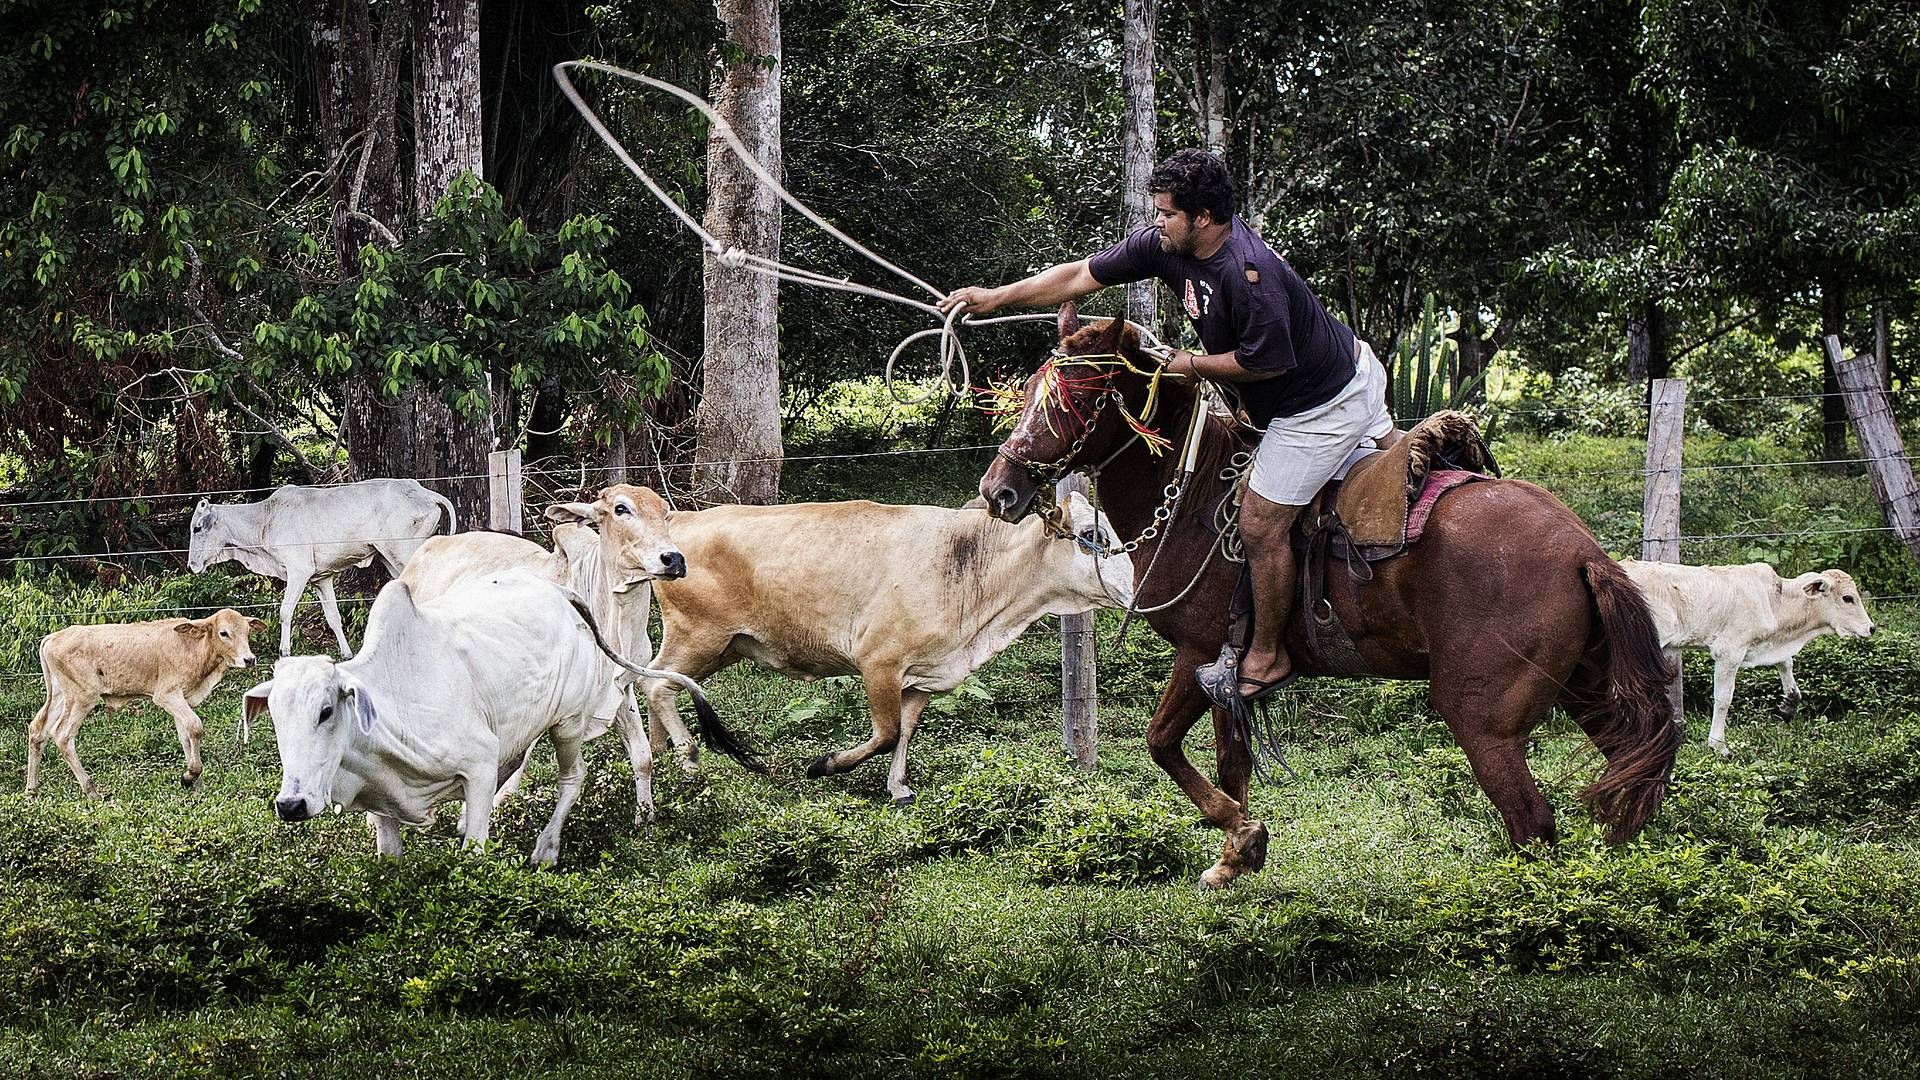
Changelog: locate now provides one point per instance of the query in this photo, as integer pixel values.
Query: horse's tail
(1635, 727)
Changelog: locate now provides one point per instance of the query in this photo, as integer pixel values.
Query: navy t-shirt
(1247, 301)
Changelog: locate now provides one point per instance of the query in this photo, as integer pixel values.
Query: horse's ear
(1115, 329)
(1069, 320)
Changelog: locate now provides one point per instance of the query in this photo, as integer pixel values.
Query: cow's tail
(446, 507)
(713, 732)
(1635, 728)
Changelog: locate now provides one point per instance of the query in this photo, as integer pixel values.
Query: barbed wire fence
(550, 481)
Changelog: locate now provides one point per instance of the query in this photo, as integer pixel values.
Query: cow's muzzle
(673, 565)
(292, 808)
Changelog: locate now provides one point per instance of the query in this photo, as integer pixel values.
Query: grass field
(1020, 918)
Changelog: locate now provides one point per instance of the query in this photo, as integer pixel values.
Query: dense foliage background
(1528, 205)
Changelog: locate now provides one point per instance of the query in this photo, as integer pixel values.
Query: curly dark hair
(1197, 180)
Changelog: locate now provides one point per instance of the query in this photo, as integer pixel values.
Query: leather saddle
(1375, 513)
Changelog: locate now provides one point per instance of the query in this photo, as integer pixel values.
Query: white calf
(1747, 616)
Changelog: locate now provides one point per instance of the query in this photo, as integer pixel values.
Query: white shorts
(1300, 453)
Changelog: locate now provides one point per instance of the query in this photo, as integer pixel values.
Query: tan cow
(175, 663)
(912, 599)
(1746, 616)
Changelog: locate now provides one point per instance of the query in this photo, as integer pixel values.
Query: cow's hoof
(690, 767)
(904, 801)
(191, 783)
(546, 853)
(1721, 749)
(822, 766)
(1789, 708)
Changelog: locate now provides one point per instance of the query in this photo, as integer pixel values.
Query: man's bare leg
(1264, 527)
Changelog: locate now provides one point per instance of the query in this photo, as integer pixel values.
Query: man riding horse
(1302, 375)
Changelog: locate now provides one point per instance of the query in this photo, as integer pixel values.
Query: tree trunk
(359, 78)
(1471, 347)
(737, 424)
(1833, 410)
(446, 143)
(1210, 43)
(1139, 141)
(1883, 343)
(1649, 345)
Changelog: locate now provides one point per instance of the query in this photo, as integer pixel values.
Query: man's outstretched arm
(1048, 288)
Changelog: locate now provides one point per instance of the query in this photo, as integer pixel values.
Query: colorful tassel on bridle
(1005, 401)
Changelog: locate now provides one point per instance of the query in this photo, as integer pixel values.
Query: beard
(1176, 247)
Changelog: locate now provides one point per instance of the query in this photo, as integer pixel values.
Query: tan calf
(175, 663)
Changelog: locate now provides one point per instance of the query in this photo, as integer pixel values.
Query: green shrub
(1000, 799)
(1099, 835)
(807, 844)
(1869, 784)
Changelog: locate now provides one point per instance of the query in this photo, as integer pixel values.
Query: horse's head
(1097, 389)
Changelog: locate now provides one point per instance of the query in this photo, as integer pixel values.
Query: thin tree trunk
(1649, 345)
(1210, 43)
(737, 423)
(358, 70)
(446, 142)
(1139, 141)
(1833, 410)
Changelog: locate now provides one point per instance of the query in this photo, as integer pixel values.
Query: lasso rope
(734, 257)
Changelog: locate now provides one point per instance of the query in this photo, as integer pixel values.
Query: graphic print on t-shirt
(1199, 305)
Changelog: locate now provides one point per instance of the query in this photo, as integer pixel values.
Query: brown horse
(1507, 605)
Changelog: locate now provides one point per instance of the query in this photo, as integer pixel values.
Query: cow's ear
(363, 710)
(191, 629)
(254, 626)
(252, 706)
(1069, 324)
(573, 514)
(1818, 586)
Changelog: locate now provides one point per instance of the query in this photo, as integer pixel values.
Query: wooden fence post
(1079, 690)
(1660, 506)
(504, 493)
(617, 457)
(1872, 415)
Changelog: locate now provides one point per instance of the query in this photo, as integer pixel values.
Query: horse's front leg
(1181, 704)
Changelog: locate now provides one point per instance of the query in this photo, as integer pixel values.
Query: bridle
(1044, 474)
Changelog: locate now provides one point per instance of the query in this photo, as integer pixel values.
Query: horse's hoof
(1218, 876)
(822, 766)
(1252, 846)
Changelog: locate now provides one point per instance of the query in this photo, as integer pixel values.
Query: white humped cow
(310, 534)
(609, 552)
(444, 701)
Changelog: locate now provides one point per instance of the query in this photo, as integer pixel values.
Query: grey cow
(310, 534)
